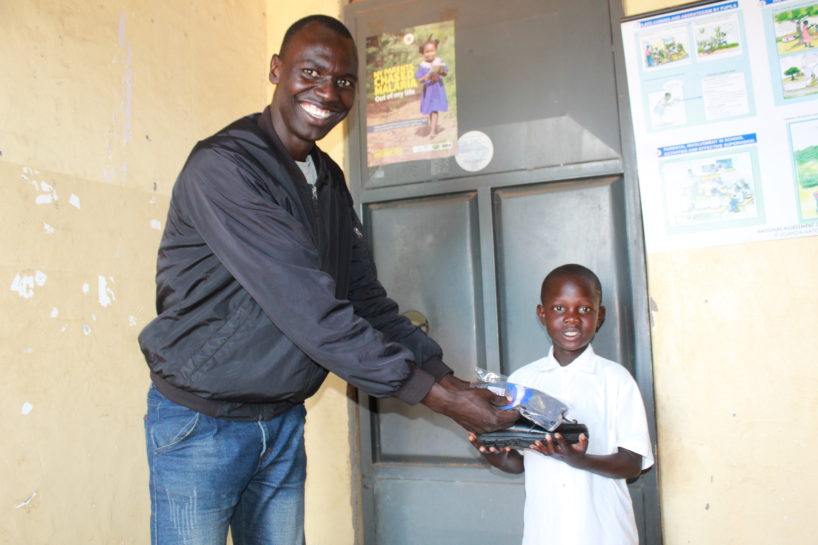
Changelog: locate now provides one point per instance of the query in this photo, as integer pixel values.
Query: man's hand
(475, 409)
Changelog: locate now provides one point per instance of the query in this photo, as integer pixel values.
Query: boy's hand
(488, 452)
(504, 458)
(558, 448)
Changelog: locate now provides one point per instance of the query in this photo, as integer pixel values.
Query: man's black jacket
(264, 286)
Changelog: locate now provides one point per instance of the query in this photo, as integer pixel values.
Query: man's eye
(311, 72)
(345, 83)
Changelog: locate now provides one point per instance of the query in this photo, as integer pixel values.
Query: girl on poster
(429, 74)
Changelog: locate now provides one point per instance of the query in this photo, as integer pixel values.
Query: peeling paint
(85, 288)
(156, 224)
(86, 329)
(47, 194)
(26, 501)
(26, 408)
(24, 284)
(49, 229)
(131, 320)
(55, 312)
(74, 201)
(106, 294)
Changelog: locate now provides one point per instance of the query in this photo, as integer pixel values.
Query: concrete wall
(736, 387)
(99, 106)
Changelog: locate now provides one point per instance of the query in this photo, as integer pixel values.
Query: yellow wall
(99, 106)
(736, 387)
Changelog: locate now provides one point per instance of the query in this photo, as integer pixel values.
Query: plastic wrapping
(535, 405)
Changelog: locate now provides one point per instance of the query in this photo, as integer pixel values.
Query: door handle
(418, 319)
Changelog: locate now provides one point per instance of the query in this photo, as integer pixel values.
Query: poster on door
(411, 99)
(724, 104)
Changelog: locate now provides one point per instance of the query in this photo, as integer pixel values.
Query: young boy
(577, 494)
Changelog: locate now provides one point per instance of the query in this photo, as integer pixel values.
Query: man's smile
(315, 111)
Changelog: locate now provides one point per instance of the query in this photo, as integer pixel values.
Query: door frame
(635, 261)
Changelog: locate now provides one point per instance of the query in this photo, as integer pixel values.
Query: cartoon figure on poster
(794, 29)
(715, 190)
(804, 142)
(430, 73)
(718, 38)
(668, 47)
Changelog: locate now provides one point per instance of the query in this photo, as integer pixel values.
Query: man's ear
(275, 67)
(600, 318)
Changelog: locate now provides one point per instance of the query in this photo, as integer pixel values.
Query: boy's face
(571, 313)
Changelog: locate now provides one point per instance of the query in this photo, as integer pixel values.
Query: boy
(577, 494)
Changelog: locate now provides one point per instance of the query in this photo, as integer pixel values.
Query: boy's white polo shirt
(565, 505)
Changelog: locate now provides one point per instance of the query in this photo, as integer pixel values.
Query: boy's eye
(585, 309)
(558, 308)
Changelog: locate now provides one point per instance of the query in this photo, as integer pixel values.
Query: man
(264, 284)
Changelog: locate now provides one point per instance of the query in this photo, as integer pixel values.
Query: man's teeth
(315, 111)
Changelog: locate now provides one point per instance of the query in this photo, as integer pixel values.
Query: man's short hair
(324, 20)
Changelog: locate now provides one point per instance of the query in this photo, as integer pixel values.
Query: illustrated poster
(724, 102)
(411, 99)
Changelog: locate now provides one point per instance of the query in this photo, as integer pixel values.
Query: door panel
(536, 76)
(428, 256)
(539, 227)
(409, 512)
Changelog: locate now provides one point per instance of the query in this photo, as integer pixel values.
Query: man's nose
(326, 89)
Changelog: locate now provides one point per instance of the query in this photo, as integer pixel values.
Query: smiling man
(264, 285)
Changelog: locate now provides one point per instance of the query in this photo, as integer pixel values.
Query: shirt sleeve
(274, 259)
(371, 302)
(632, 424)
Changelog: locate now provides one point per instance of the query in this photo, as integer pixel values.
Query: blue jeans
(208, 474)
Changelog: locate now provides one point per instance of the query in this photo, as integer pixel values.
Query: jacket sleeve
(371, 302)
(275, 260)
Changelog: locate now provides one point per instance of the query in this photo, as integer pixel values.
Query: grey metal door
(468, 250)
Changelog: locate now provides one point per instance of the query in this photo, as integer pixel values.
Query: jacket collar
(265, 123)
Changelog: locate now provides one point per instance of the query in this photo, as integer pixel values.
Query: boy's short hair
(572, 269)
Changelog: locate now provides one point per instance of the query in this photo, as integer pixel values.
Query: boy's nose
(571, 317)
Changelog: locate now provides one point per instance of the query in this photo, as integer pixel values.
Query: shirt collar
(265, 123)
(584, 362)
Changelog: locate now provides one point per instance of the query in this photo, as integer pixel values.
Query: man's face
(571, 313)
(315, 82)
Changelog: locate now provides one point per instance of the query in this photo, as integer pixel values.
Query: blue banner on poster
(708, 145)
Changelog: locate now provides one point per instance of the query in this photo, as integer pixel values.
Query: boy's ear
(600, 318)
(275, 67)
(541, 314)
